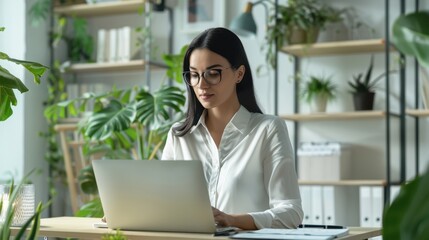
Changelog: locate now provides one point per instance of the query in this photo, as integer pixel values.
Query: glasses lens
(191, 78)
(212, 76)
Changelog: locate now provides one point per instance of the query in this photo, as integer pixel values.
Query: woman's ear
(240, 72)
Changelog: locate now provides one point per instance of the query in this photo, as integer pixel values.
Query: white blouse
(253, 171)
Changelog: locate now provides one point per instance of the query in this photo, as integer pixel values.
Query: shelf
(344, 182)
(100, 9)
(418, 112)
(334, 116)
(115, 66)
(335, 48)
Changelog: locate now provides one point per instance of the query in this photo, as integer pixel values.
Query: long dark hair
(225, 43)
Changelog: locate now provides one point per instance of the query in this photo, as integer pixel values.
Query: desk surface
(74, 227)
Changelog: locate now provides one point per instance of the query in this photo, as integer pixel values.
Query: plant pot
(318, 103)
(296, 35)
(363, 101)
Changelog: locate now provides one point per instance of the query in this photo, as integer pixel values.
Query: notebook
(168, 196)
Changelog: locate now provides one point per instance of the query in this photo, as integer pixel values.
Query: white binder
(306, 203)
(329, 205)
(365, 204)
(377, 206)
(316, 205)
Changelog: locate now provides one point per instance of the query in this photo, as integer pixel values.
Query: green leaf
(115, 117)
(411, 35)
(91, 209)
(408, 215)
(35, 68)
(87, 180)
(6, 100)
(8, 80)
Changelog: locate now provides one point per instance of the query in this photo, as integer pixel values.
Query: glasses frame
(202, 75)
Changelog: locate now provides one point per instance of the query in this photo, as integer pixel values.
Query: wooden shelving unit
(335, 48)
(100, 9)
(114, 66)
(343, 182)
(418, 112)
(334, 116)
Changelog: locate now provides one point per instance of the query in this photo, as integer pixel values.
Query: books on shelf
(118, 45)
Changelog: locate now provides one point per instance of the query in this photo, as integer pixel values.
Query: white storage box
(328, 161)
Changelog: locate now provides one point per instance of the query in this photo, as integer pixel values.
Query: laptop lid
(154, 195)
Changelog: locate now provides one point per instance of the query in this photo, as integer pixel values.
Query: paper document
(300, 233)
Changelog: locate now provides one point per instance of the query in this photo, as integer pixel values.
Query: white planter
(24, 204)
(318, 103)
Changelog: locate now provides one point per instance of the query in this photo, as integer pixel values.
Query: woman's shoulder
(267, 120)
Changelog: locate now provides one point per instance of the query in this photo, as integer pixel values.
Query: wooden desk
(74, 227)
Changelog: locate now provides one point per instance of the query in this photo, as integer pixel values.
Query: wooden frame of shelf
(100, 9)
(335, 48)
(109, 66)
(334, 116)
(343, 182)
(418, 112)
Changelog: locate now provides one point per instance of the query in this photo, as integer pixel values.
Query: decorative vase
(363, 101)
(24, 204)
(318, 103)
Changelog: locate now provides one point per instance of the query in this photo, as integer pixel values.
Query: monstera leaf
(153, 110)
(411, 36)
(407, 218)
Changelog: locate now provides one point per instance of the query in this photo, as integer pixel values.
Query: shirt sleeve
(280, 181)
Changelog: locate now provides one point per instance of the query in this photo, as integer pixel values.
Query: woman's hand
(222, 219)
(242, 221)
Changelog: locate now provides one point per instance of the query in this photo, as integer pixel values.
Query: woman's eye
(212, 73)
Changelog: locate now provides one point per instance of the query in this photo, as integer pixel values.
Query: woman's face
(203, 62)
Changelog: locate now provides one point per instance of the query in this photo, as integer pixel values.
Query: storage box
(324, 161)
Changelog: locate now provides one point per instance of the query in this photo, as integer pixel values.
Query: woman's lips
(206, 96)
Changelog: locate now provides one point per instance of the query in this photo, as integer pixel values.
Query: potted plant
(317, 91)
(298, 22)
(363, 88)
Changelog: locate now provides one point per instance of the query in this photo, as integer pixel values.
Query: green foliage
(407, 218)
(174, 63)
(318, 86)
(117, 236)
(39, 11)
(91, 209)
(9, 82)
(411, 36)
(302, 14)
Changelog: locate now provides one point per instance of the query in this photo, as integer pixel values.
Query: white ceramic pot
(318, 103)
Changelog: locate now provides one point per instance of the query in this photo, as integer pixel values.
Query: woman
(247, 156)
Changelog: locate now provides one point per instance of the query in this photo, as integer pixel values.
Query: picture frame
(199, 15)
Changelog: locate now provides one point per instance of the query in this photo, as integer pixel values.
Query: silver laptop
(154, 195)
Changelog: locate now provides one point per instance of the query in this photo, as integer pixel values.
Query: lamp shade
(244, 24)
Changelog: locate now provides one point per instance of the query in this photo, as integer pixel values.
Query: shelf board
(344, 182)
(100, 9)
(335, 48)
(114, 66)
(334, 116)
(418, 112)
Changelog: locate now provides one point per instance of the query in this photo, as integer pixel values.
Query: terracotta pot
(363, 101)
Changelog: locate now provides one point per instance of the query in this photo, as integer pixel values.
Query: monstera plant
(408, 215)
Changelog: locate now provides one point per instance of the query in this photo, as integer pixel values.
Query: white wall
(21, 147)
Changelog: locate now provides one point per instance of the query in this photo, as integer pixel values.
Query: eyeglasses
(211, 76)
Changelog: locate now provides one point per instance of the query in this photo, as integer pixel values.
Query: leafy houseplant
(317, 91)
(298, 22)
(8, 82)
(408, 216)
(363, 88)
